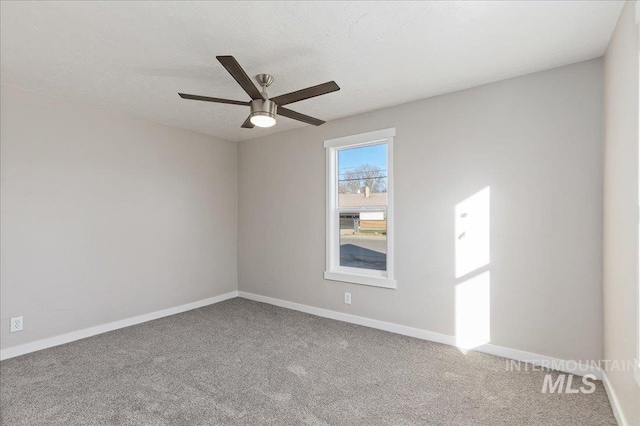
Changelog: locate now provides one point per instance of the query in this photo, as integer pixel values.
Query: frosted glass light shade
(262, 120)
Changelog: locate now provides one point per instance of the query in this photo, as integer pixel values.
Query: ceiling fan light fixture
(261, 119)
(263, 113)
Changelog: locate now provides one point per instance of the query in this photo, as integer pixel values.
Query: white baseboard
(613, 399)
(518, 355)
(92, 331)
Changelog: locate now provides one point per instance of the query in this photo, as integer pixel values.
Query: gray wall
(621, 209)
(535, 140)
(105, 217)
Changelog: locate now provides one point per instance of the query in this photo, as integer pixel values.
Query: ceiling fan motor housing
(261, 107)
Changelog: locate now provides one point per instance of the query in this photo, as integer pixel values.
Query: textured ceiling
(134, 57)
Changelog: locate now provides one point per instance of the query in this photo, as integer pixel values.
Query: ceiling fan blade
(236, 71)
(309, 92)
(208, 99)
(247, 123)
(300, 117)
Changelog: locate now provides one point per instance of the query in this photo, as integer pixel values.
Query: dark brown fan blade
(236, 71)
(309, 92)
(208, 99)
(247, 123)
(300, 117)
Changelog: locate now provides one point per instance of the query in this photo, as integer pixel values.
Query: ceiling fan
(264, 109)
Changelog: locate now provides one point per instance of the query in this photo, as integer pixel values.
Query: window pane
(363, 240)
(362, 176)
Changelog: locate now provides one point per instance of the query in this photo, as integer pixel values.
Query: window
(360, 209)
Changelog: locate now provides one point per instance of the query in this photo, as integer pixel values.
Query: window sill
(360, 279)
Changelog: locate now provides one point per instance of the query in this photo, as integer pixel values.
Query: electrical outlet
(347, 298)
(16, 324)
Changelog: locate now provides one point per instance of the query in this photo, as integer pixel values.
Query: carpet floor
(241, 362)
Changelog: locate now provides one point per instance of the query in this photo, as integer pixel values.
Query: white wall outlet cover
(16, 324)
(347, 298)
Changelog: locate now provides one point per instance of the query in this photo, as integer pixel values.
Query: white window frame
(334, 271)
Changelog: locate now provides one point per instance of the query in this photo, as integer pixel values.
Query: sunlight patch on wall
(472, 256)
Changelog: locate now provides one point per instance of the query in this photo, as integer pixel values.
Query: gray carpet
(243, 362)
